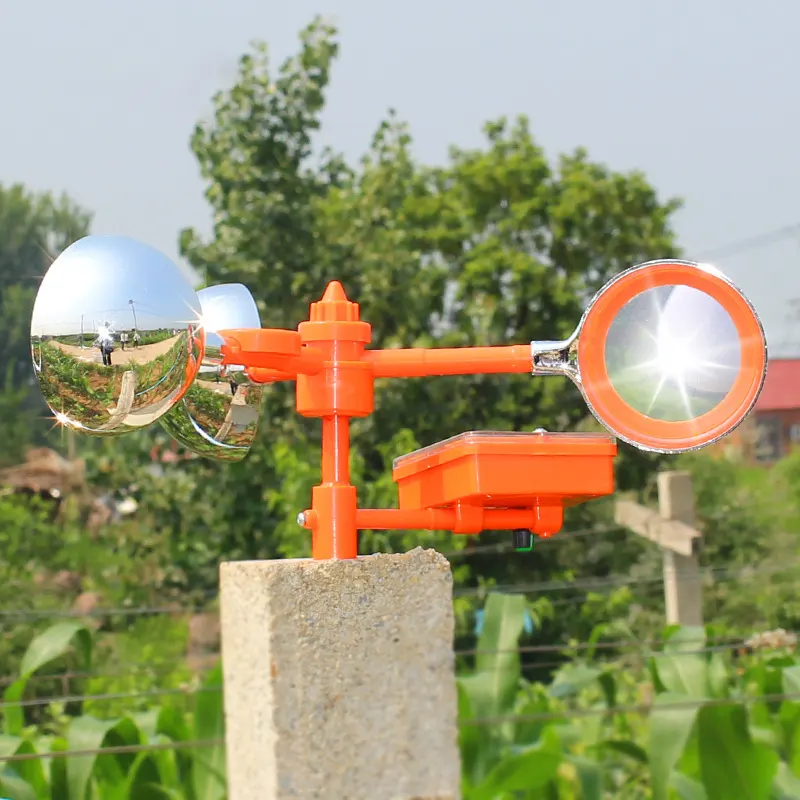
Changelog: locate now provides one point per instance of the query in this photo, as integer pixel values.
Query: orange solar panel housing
(507, 470)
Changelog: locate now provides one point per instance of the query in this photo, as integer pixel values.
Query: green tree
(33, 228)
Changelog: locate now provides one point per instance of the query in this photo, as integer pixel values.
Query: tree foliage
(32, 228)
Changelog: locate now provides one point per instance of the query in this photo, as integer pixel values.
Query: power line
(641, 708)
(615, 581)
(752, 242)
(719, 574)
(716, 646)
(195, 744)
(107, 697)
(152, 669)
(31, 614)
(722, 646)
(161, 670)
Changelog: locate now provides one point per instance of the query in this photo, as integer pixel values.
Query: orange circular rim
(633, 426)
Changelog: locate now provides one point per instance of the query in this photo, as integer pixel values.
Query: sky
(117, 291)
(99, 99)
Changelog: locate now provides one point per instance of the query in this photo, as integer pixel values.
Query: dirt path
(130, 355)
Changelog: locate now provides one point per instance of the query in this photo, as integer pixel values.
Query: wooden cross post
(672, 529)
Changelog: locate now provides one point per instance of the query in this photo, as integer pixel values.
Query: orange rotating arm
(421, 363)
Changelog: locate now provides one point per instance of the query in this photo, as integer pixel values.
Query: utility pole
(672, 528)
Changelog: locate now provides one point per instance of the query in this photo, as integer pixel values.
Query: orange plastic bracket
(473, 482)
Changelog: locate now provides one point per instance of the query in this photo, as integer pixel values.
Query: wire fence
(539, 588)
(644, 649)
(603, 653)
(538, 717)
(578, 584)
(153, 747)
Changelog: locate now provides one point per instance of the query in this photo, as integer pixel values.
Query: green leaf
(51, 644)
(32, 771)
(670, 728)
(59, 787)
(56, 642)
(529, 731)
(687, 788)
(469, 736)
(790, 679)
(718, 678)
(503, 621)
(569, 680)
(765, 736)
(609, 686)
(681, 669)
(12, 786)
(89, 733)
(626, 748)
(142, 780)
(527, 770)
(169, 794)
(594, 637)
(590, 777)
(172, 724)
(168, 767)
(786, 785)
(789, 722)
(208, 768)
(497, 667)
(731, 763)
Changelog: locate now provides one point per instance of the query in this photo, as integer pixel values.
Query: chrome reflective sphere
(218, 416)
(115, 335)
(673, 353)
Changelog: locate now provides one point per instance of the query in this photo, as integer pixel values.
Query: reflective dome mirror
(670, 356)
(673, 353)
(218, 416)
(115, 335)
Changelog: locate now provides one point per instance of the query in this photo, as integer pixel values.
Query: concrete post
(683, 588)
(339, 679)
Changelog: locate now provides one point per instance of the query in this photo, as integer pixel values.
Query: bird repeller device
(669, 356)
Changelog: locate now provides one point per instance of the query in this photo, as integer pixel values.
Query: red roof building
(781, 390)
(776, 416)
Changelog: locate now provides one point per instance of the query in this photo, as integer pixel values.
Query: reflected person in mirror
(105, 342)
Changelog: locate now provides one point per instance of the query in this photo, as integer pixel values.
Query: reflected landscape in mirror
(673, 353)
(218, 416)
(115, 335)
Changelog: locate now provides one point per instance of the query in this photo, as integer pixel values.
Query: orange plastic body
(467, 484)
(532, 476)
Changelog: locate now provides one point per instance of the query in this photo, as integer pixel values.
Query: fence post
(339, 678)
(683, 590)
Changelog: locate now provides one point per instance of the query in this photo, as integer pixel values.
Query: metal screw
(540, 430)
(301, 519)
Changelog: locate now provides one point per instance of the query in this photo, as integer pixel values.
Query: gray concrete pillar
(339, 680)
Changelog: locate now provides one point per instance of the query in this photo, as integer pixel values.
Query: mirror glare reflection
(673, 353)
(115, 335)
(218, 416)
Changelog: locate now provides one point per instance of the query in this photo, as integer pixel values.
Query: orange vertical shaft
(335, 534)
(341, 389)
(335, 449)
